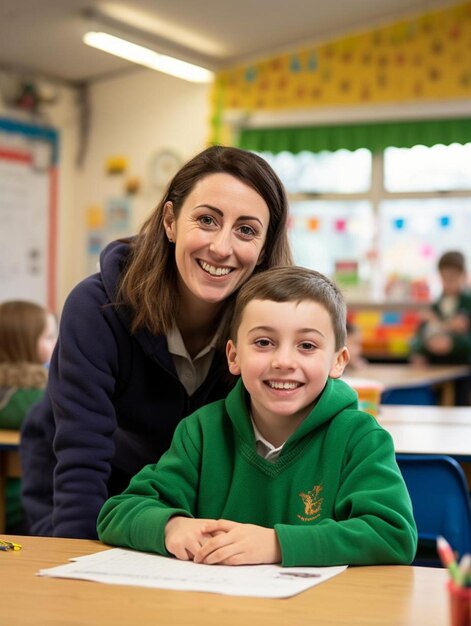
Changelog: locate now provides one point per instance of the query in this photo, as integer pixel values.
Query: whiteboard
(28, 215)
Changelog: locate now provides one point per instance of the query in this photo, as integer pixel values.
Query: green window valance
(375, 136)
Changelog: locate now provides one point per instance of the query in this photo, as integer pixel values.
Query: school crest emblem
(312, 502)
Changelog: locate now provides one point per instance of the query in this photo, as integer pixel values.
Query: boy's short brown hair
(293, 284)
(452, 260)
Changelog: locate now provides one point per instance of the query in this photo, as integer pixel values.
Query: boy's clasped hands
(221, 542)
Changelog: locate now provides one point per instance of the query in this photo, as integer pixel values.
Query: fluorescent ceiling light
(148, 58)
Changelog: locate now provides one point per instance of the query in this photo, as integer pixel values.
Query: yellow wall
(419, 59)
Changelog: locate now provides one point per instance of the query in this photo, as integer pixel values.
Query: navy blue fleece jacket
(112, 406)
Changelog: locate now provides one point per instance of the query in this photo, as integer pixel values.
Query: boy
(286, 469)
(444, 337)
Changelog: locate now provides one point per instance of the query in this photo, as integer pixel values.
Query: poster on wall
(28, 180)
(104, 224)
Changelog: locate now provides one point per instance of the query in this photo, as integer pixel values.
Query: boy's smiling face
(285, 352)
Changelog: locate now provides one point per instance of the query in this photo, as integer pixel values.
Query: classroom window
(378, 223)
(324, 172)
(413, 233)
(347, 226)
(439, 168)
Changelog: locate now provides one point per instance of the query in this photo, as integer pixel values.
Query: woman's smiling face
(219, 237)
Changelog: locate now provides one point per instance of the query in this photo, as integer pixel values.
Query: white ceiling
(44, 37)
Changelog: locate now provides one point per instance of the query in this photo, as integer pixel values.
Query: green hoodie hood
(336, 397)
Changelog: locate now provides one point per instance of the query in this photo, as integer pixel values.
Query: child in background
(444, 336)
(27, 338)
(286, 468)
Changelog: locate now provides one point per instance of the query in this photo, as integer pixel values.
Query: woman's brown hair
(21, 325)
(149, 280)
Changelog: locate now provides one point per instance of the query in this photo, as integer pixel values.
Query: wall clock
(164, 164)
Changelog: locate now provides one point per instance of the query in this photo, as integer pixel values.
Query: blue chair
(423, 395)
(441, 502)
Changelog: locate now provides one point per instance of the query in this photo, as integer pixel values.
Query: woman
(27, 338)
(140, 343)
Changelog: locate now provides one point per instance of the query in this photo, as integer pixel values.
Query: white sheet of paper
(128, 567)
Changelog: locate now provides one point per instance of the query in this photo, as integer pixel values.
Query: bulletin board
(28, 212)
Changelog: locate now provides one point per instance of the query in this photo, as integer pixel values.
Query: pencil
(448, 559)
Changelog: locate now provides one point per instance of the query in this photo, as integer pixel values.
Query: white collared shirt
(191, 372)
(448, 306)
(265, 448)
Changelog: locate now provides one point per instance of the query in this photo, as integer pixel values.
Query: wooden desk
(429, 429)
(379, 596)
(9, 465)
(405, 376)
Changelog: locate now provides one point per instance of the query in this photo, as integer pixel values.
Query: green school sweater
(334, 496)
(21, 386)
